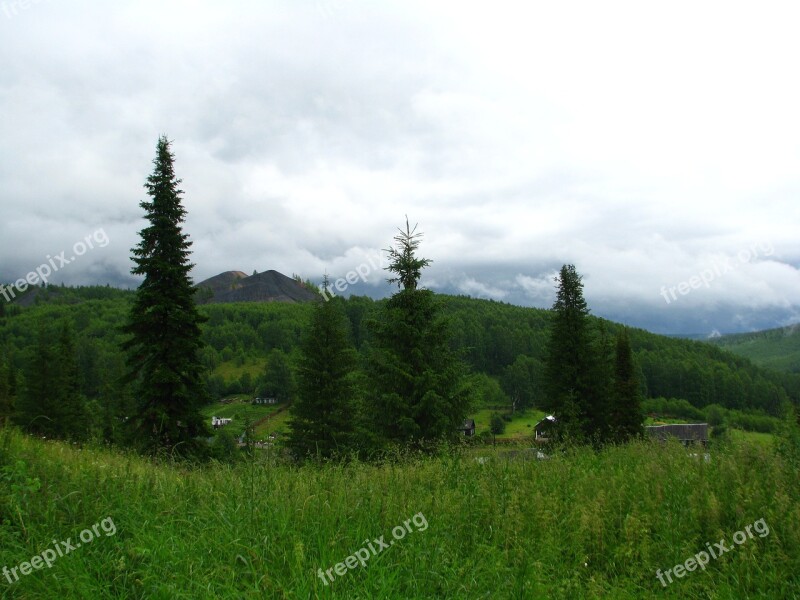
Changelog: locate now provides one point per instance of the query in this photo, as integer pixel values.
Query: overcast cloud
(645, 143)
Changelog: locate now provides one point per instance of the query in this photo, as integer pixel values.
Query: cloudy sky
(656, 146)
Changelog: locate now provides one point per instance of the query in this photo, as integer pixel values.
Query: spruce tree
(324, 414)
(625, 416)
(420, 392)
(569, 365)
(164, 324)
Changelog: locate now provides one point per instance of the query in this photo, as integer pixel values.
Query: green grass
(240, 411)
(230, 371)
(752, 436)
(580, 525)
(277, 423)
(666, 420)
(520, 427)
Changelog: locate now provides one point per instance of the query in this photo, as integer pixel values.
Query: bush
(752, 422)
(715, 414)
(673, 407)
(497, 424)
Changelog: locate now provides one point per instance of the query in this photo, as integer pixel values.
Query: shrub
(497, 424)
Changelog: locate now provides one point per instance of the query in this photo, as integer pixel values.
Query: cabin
(468, 427)
(544, 427)
(217, 422)
(686, 433)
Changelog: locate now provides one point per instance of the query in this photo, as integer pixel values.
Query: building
(264, 401)
(468, 427)
(544, 427)
(686, 433)
(217, 422)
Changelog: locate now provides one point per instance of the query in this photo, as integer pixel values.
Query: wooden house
(543, 428)
(468, 427)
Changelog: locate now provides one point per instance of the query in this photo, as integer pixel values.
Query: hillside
(774, 348)
(503, 344)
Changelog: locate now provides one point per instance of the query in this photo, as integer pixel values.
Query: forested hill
(775, 348)
(504, 344)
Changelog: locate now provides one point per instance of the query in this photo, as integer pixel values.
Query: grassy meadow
(579, 525)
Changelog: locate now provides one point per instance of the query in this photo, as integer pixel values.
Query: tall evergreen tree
(420, 388)
(625, 416)
(601, 383)
(164, 324)
(570, 360)
(324, 414)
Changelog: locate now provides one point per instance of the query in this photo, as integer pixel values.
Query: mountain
(224, 282)
(777, 349)
(236, 286)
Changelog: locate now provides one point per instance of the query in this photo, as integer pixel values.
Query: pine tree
(324, 414)
(164, 324)
(420, 388)
(570, 360)
(626, 408)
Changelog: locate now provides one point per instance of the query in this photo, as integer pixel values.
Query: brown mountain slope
(235, 286)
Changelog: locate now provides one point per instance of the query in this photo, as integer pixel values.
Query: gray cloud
(640, 145)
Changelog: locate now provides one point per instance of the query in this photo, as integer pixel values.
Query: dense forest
(503, 345)
(777, 349)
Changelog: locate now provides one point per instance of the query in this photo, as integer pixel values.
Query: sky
(655, 146)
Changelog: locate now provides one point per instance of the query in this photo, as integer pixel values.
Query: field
(520, 427)
(242, 411)
(579, 525)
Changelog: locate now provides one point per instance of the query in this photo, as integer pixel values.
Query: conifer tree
(324, 414)
(164, 324)
(625, 416)
(569, 367)
(420, 390)
(601, 383)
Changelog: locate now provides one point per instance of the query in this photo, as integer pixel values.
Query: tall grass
(580, 525)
